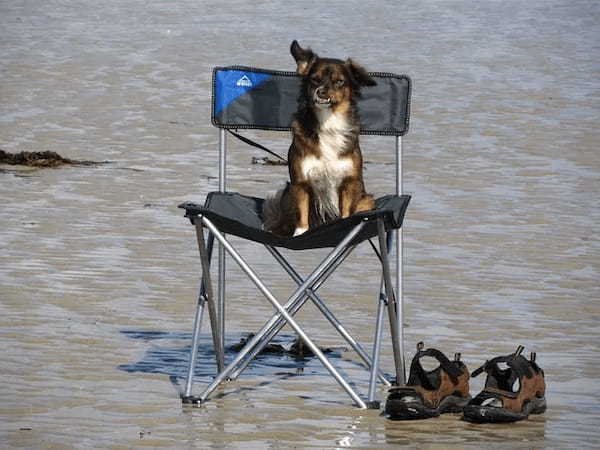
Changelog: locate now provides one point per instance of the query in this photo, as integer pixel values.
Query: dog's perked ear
(359, 75)
(304, 58)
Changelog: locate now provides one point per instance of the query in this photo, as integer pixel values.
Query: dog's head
(329, 82)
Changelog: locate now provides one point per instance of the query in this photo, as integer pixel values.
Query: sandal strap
(520, 365)
(490, 364)
(452, 369)
(500, 380)
(488, 393)
(495, 392)
(480, 370)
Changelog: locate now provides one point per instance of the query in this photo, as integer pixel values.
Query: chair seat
(241, 216)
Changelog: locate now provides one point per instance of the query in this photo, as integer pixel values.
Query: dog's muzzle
(319, 100)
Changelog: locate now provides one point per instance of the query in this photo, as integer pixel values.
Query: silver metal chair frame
(389, 298)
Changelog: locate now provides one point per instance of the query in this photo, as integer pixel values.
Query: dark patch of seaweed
(44, 159)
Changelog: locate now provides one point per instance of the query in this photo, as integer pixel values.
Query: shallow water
(99, 271)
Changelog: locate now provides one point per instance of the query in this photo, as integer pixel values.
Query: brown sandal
(429, 394)
(498, 402)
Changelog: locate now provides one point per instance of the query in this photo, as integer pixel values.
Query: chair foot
(375, 404)
(191, 400)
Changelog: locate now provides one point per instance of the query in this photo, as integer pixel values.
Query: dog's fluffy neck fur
(314, 120)
(334, 121)
(335, 132)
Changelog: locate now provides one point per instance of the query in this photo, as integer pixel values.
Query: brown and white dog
(325, 162)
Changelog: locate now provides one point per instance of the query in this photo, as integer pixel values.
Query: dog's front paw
(299, 231)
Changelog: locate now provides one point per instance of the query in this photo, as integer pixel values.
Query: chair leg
(194, 349)
(297, 294)
(391, 303)
(212, 309)
(220, 297)
(187, 396)
(377, 346)
(381, 304)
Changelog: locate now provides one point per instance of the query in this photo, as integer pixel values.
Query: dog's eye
(339, 84)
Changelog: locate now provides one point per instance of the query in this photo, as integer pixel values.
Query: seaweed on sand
(40, 159)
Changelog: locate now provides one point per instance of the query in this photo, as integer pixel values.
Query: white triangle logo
(244, 82)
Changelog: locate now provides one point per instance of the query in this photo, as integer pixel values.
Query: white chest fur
(327, 171)
(333, 135)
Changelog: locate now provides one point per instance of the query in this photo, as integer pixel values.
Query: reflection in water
(451, 430)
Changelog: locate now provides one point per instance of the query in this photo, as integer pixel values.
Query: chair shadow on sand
(280, 360)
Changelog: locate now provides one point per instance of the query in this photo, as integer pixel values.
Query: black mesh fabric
(246, 97)
(240, 215)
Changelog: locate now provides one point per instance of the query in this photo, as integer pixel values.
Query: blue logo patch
(231, 84)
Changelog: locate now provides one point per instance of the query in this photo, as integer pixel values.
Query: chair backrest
(245, 97)
(249, 98)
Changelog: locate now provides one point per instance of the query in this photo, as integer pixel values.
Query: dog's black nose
(321, 92)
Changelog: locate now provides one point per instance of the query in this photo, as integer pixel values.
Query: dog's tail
(276, 217)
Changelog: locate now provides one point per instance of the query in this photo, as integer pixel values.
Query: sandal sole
(400, 410)
(453, 404)
(489, 414)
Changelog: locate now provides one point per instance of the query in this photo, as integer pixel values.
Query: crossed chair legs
(306, 289)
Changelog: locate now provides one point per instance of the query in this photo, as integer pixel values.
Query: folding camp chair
(246, 98)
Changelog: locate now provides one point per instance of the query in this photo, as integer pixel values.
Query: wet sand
(99, 270)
